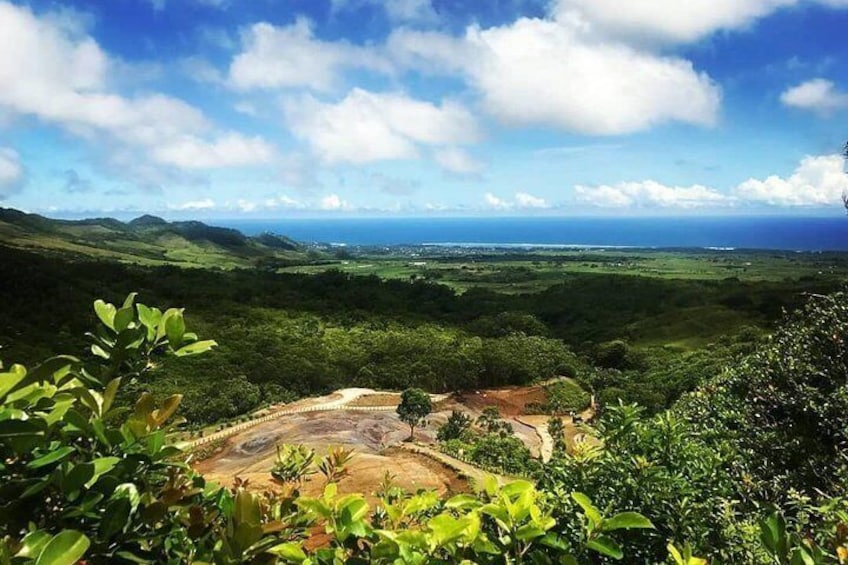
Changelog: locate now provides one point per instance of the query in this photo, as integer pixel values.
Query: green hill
(148, 240)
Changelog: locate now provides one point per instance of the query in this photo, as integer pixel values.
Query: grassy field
(532, 271)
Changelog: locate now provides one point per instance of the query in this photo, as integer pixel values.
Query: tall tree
(414, 407)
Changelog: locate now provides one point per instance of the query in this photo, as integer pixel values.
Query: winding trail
(462, 468)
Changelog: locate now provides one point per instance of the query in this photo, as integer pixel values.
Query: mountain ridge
(147, 239)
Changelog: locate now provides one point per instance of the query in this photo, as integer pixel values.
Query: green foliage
(83, 480)
(564, 397)
(494, 447)
(556, 430)
(414, 407)
(786, 406)
(456, 427)
(293, 463)
(80, 476)
(333, 466)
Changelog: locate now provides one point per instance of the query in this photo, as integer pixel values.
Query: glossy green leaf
(11, 379)
(66, 548)
(196, 348)
(175, 328)
(627, 520)
(106, 312)
(110, 392)
(606, 546)
(588, 508)
(101, 466)
(33, 544)
(289, 551)
(51, 458)
(123, 318)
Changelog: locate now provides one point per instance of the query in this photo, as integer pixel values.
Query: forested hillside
(748, 468)
(288, 335)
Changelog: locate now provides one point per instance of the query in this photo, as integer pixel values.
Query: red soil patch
(380, 399)
(510, 401)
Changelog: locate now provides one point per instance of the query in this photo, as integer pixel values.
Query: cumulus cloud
(334, 202)
(667, 20)
(526, 200)
(11, 172)
(282, 201)
(291, 56)
(193, 205)
(457, 161)
(521, 201)
(554, 72)
(366, 127)
(817, 181)
(650, 194)
(819, 95)
(227, 151)
(60, 76)
(493, 201)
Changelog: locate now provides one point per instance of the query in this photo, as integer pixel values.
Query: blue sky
(272, 108)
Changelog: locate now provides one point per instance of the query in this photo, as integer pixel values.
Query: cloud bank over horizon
(414, 107)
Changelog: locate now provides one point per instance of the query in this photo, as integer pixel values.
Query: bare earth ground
(250, 455)
(377, 439)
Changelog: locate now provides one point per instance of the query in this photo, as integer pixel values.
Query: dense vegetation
(83, 481)
(768, 432)
(491, 444)
(291, 335)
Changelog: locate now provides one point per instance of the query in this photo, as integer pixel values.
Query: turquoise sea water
(785, 233)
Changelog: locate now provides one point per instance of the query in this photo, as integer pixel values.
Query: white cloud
(493, 201)
(334, 202)
(204, 204)
(650, 194)
(282, 201)
(525, 200)
(817, 181)
(290, 57)
(367, 127)
(522, 201)
(555, 73)
(227, 151)
(673, 20)
(11, 172)
(457, 161)
(60, 76)
(667, 20)
(818, 95)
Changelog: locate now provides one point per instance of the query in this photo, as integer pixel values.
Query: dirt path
(540, 424)
(462, 468)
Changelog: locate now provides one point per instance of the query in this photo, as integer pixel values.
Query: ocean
(780, 233)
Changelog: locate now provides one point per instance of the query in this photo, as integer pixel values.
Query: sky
(286, 108)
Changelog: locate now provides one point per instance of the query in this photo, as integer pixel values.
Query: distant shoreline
(810, 234)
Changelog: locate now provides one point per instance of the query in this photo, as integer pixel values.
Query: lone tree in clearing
(414, 407)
